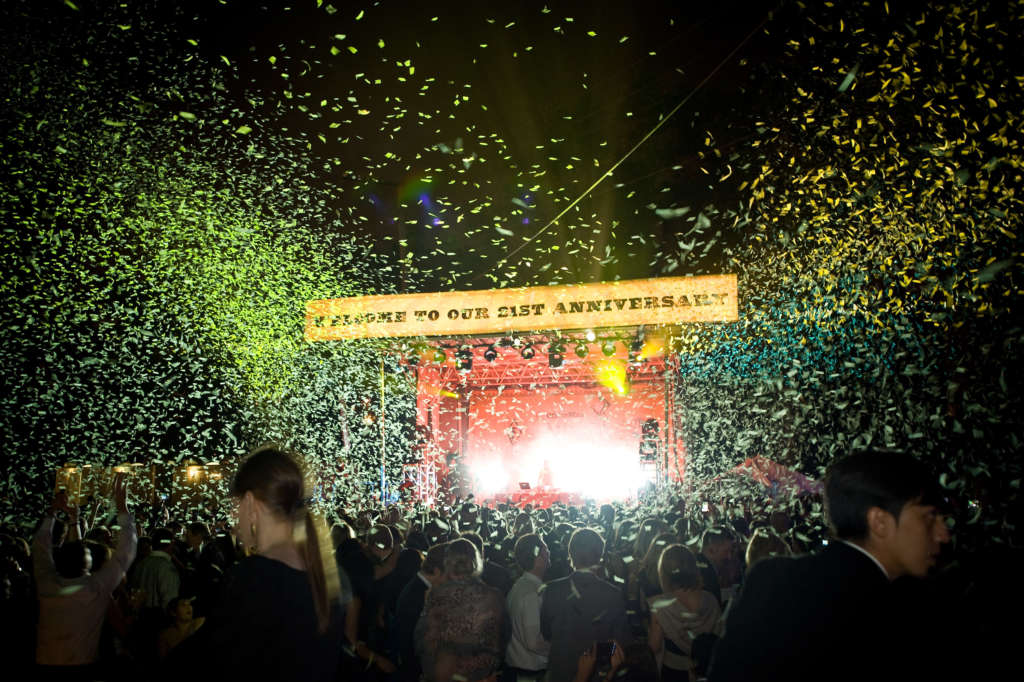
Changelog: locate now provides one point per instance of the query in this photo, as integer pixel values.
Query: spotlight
(440, 356)
(528, 352)
(581, 351)
(506, 342)
(556, 354)
(635, 348)
(464, 356)
(608, 348)
(591, 336)
(491, 354)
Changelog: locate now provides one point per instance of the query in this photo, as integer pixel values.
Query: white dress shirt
(71, 611)
(527, 649)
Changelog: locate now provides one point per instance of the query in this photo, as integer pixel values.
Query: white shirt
(527, 649)
(71, 611)
(868, 555)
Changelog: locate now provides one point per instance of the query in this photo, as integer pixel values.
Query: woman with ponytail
(280, 615)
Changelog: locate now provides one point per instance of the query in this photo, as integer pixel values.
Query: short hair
(462, 559)
(69, 559)
(677, 569)
(199, 528)
(528, 548)
(162, 538)
(873, 478)
(585, 548)
(765, 542)
(433, 561)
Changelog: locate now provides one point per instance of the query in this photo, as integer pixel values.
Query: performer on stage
(544, 478)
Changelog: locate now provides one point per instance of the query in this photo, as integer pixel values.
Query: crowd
(675, 587)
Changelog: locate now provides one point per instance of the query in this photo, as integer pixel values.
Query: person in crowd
(280, 616)
(410, 606)
(581, 609)
(462, 631)
(72, 600)
(366, 616)
(646, 581)
(680, 613)
(716, 548)
(494, 575)
(650, 528)
(182, 626)
(527, 653)
(631, 663)
(156, 575)
(765, 542)
(830, 614)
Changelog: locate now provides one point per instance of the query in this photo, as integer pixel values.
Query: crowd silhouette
(857, 583)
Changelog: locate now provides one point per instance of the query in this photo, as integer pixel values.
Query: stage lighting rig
(464, 358)
(556, 354)
(528, 352)
(491, 353)
(608, 348)
(582, 350)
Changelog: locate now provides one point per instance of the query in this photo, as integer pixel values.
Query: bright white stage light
(492, 477)
(582, 462)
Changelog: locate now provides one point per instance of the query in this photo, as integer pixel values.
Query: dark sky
(493, 105)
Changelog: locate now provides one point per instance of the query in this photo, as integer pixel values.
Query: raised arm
(114, 570)
(42, 547)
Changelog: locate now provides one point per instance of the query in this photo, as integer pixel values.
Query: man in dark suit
(409, 608)
(581, 609)
(831, 615)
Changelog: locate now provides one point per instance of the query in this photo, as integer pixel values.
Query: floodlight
(464, 356)
(491, 354)
(581, 350)
(608, 348)
(528, 352)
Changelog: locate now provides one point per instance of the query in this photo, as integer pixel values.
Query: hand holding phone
(604, 653)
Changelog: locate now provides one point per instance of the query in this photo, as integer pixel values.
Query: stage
(586, 408)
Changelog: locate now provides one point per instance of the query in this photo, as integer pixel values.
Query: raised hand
(60, 501)
(121, 493)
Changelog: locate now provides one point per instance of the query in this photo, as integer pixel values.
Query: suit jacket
(407, 613)
(575, 612)
(822, 616)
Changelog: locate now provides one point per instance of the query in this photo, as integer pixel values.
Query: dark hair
(101, 554)
(198, 528)
(873, 478)
(69, 559)
(462, 559)
(677, 569)
(162, 538)
(528, 548)
(585, 548)
(276, 479)
(433, 561)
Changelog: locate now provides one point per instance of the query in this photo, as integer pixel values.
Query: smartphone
(704, 507)
(604, 655)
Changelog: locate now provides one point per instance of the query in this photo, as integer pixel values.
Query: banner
(663, 300)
